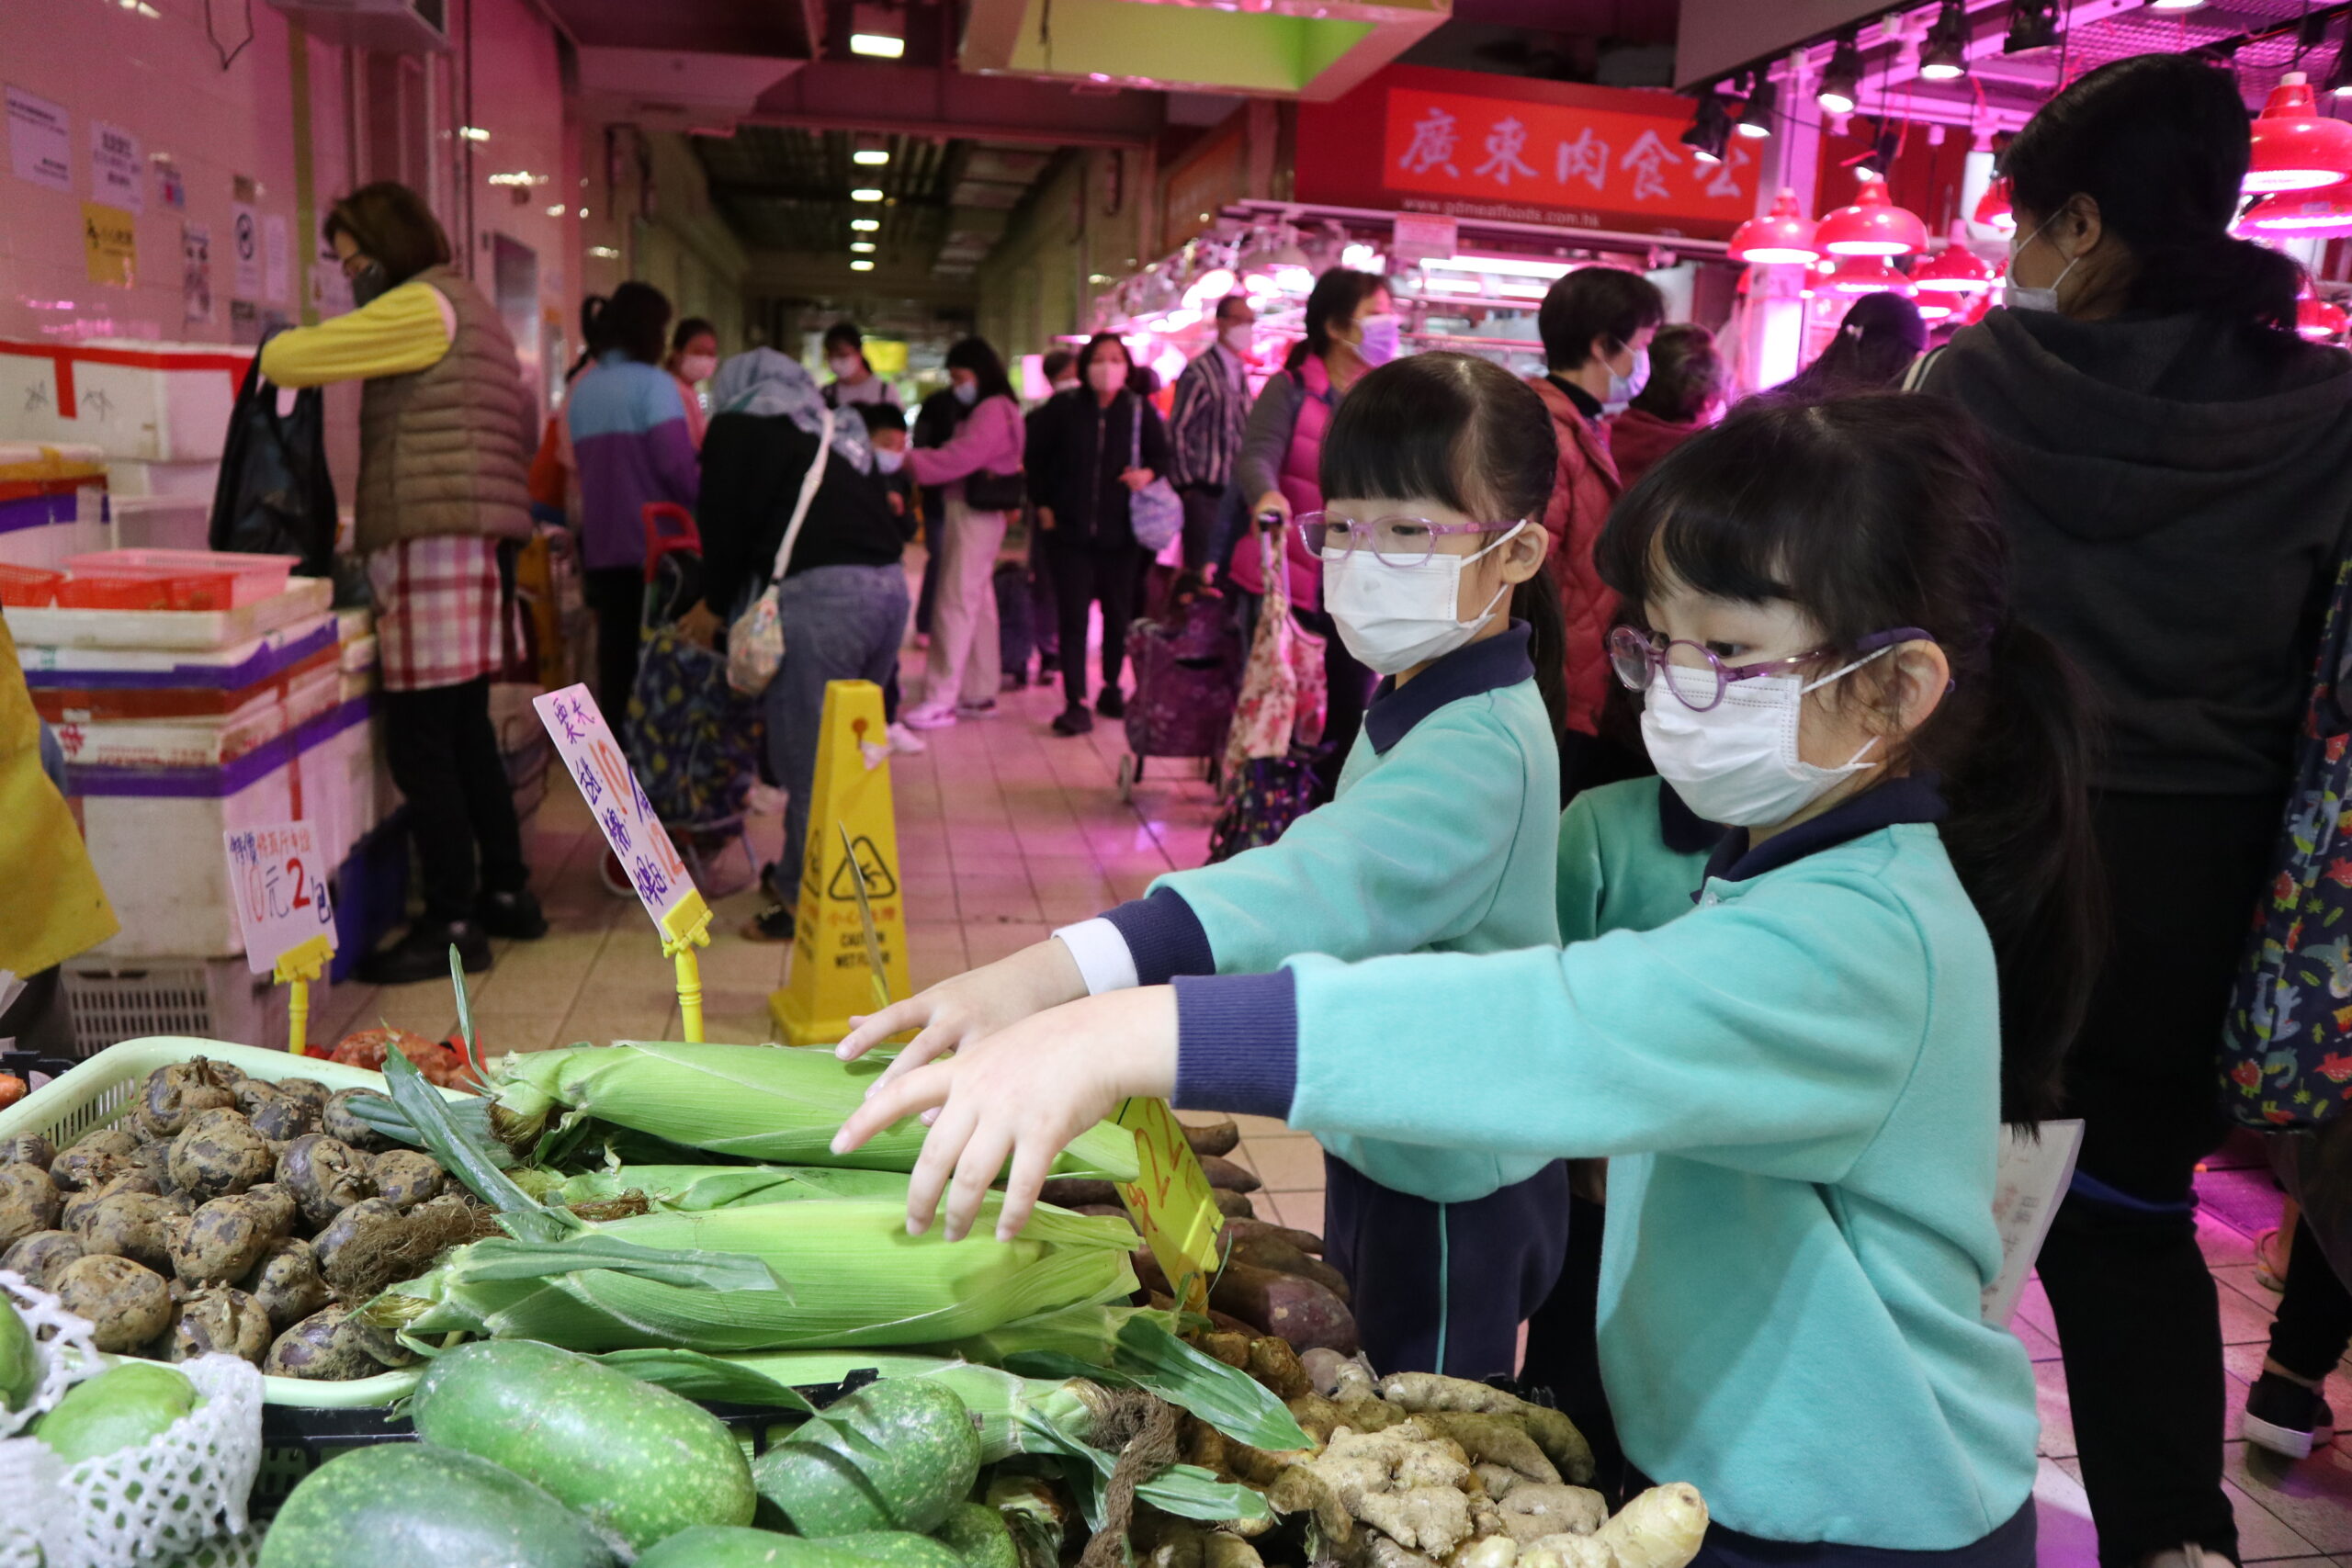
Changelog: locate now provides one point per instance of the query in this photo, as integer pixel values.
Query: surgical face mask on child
(1394, 617)
(888, 459)
(2016, 296)
(1736, 764)
(1378, 338)
(1624, 388)
(697, 366)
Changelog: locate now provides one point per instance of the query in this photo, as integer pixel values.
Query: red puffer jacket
(1583, 490)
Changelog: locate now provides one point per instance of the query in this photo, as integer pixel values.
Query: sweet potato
(1306, 1241)
(1078, 1192)
(1223, 1173)
(1263, 1251)
(1285, 1305)
(1216, 1138)
(1232, 1205)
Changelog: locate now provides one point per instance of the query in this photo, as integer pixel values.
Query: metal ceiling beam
(833, 95)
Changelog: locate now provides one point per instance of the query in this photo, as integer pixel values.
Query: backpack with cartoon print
(2287, 1043)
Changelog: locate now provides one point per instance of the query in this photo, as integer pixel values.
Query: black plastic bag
(274, 496)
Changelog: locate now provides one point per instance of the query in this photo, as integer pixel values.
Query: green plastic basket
(99, 1093)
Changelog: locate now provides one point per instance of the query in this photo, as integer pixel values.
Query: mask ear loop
(1486, 615)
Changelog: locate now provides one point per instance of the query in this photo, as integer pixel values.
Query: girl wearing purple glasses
(1800, 1084)
(1441, 838)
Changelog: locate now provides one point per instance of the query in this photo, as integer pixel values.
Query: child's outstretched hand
(1023, 1096)
(960, 1012)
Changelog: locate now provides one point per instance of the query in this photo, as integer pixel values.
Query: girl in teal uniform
(1801, 1082)
(1441, 840)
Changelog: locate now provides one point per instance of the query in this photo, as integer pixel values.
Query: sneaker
(1111, 704)
(516, 915)
(2284, 1417)
(1073, 721)
(906, 741)
(423, 954)
(773, 923)
(929, 715)
(1015, 680)
(984, 708)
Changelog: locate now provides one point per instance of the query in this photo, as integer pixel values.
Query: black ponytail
(1871, 514)
(1537, 601)
(2161, 143)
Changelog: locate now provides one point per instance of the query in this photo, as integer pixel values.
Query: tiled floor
(1006, 830)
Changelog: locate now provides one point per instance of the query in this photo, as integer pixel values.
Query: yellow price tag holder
(1171, 1203)
(297, 967)
(685, 926)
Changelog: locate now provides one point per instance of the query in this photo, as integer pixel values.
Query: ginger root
(1567, 1551)
(1495, 1439)
(1553, 1432)
(1531, 1511)
(1661, 1529)
(1488, 1551)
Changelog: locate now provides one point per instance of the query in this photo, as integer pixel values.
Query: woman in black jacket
(1089, 449)
(844, 599)
(2174, 468)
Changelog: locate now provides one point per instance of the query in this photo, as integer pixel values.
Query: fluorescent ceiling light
(1505, 266)
(872, 157)
(865, 193)
(474, 133)
(862, 225)
(862, 247)
(1450, 284)
(881, 46)
(861, 265)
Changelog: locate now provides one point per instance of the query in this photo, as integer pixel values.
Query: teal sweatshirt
(1441, 838)
(1797, 1086)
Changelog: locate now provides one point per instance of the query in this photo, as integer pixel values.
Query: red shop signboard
(1420, 139)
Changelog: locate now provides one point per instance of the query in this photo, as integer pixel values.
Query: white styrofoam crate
(192, 480)
(158, 402)
(53, 627)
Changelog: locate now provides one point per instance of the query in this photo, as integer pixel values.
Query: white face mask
(1238, 338)
(888, 461)
(968, 392)
(697, 366)
(1393, 617)
(1623, 389)
(1736, 764)
(1107, 377)
(1378, 338)
(1071, 385)
(845, 365)
(2018, 298)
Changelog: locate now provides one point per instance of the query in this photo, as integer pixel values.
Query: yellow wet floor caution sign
(850, 814)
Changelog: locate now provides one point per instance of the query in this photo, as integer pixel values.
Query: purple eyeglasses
(1639, 657)
(1397, 541)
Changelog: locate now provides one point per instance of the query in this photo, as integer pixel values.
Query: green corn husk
(1038, 1416)
(694, 1188)
(851, 1276)
(775, 1103)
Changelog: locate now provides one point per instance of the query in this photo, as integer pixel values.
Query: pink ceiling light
(2324, 213)
(1955, 270)
(1992, 208)
(2295, 146)
(2320, 320)
(1866, 275)
(1784, 234)
(1875, 226)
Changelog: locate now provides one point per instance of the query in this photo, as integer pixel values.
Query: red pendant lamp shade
(1992, 208)
(1784, 234)
(2318, 319)
(1866, 275)
(2295, 146)
(1955, 270)
(2324, 213)
(1875, 226)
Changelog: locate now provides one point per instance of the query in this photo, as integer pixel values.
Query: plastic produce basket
(28, 586)
(252, 578)
(99, 1093)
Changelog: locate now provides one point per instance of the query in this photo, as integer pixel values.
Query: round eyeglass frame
(1317, 529)
(1637, 660)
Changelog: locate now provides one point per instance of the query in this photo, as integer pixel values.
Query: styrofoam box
(160, 521)
(193, 481)
(158, 402)
(53, 627)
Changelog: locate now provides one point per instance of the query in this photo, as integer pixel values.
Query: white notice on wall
(196, 274)
(40, 140)
(244, 251)
(118, 173)
(276, 258)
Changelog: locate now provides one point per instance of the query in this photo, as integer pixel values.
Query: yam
(1215, 1138)
(29, 1201)
(223, 1240)
(219, 1320)
(405, 1178)
(1292, 1308)
(326, 1346)
(309, 1091)
(1306, 1241)
(174, 1095)
(1232, 1205)
(357, 1221)
(27, 1148)
(326, 1175)
(338, 1122)
(1224, 1173)
(41, 1257)
(275, 1114)
(219, 1153)
(81, 1169)
(1075, 1192)
(286, 1283)
(130, 1225)
(125, 1304)
(276, 1207)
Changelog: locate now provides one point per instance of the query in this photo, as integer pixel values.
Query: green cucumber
(419, 1506)
(896, 1455)
(978, 1535)
(637, 1460)
(711, 1545)
(20, 1363)
(121, 1408)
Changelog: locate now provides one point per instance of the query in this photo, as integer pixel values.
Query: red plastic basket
(203, 590)
(28, 587)
(116, 590)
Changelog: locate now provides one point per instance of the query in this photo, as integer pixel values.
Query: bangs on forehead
(1382, 449)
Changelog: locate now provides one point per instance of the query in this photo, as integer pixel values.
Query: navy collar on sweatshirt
(1486, 666)
(1684, 830)
(1919, 798)
(1587, 404)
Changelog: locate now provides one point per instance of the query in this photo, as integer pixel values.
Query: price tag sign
(1171, 1204)
(593, 757)
(280, 879)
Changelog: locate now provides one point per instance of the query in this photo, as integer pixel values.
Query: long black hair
(1463, 431)
(2161, 143)
(1337, 296)
(1880, 336)
(1869, 513)
(974, 354)
(634, 319)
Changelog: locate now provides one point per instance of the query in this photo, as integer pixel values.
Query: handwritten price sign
(279, 878)
(593, 757)
(1171, 1204)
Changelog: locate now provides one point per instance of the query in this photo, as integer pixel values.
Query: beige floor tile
(1299, 1211)
(1260, 1126)
(2057, 1413)
(2312, 1498)
(1287, 1164)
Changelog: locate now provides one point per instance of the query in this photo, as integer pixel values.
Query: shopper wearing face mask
(1204, 427)
(2175, 468)
(1352, 328)
(978, 470)
(1799, 1080)
(1880, 336)
(1440, 839)
(1596, 323)
(445, 439)
(854, 380)
(692, 358)
(1089, 450)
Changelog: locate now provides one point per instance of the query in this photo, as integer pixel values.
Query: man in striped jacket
(1205, 428)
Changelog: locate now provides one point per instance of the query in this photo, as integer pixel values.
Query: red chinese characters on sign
(1582, 157)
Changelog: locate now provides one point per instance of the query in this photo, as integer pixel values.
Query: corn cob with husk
(699, 1187)
(763, 1102)
(850, 1275)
